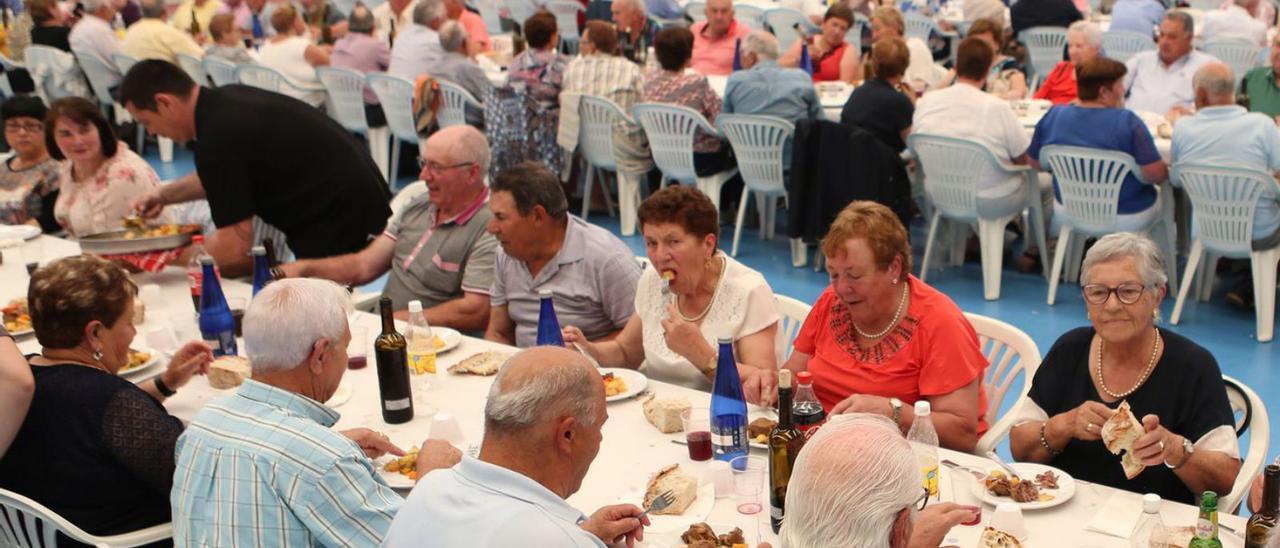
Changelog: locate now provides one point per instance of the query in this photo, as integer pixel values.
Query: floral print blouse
(542, 71)
(29, 194)
(99, 202)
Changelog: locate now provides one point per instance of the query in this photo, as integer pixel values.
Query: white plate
(340, 396)
(753, 415)
(27, 331)
(142, 370)
(672, 525)
(19, 232)
(395, 479)
(673, 540)
(451, 337)
(636, 382)
(1066, 486)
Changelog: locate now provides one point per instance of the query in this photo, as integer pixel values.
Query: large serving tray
(115, 242)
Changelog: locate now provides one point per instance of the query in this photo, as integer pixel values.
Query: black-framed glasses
(1126, 293)
(923, 501)
(436, 169)
(32, 127)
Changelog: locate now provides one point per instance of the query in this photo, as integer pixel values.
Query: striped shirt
(610, 76)
(263, 468)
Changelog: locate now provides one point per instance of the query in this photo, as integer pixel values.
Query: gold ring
(1090, 427)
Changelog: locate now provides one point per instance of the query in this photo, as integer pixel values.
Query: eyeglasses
(923, 501)
(29, 128)
(436, 169)
(1126, 293)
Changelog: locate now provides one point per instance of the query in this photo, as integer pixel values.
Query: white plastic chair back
(55, 73)
(221, 71)
(396, 95)
(697, 11)
(489, 12)
(566, 12)
(1011, 353)
(1089, 181)
(793, 313)
(8, 64)
(124, 62)
(1203, 5)
(454, 104)
(97, 72)
(671, 130)
(1121, 45)
(1044, 48)
(521, 10)
(194, 68)
(918, 25)
(1223, 200)
(260, 77)
(782, 21)
(951, 168)
(597, 117)
(749, 15)
(758, 143)
(25, 523)
(1244, 398)
(346, 90)
(1240, 56)
(854, 36)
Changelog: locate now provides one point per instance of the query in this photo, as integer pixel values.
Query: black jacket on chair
(833, 164)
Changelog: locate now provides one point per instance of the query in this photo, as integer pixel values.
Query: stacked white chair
(1121, 45)
(758, 143)
(1240, 56)
(1223, 201)
(194, 68)
(597, 116)
(566, 12)
(782, 22)
(1045, 46)
(951, 169)
(1245, 400)
(346, 92)
(671, 130)
(221, 71)
(1011, 353)
(454, 103)
(396, 95)
(27, 523)
(1089, 182)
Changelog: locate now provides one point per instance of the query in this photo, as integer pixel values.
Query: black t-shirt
(54, 37)
(1042, 13)
(881, 110)
(265, 154)
(1185, 390)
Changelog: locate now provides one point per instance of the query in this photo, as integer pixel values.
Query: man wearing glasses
(435, 245)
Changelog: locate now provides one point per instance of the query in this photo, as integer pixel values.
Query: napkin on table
(1118, 516)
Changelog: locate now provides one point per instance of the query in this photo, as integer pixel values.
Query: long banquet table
(632, 448)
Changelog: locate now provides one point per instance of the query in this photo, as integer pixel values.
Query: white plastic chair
(782, 21)
(1203, 5)
(55, 73)
(261, 77)
(345, 88)
(489, 12)
(521, 9)
(671, 130)
(9, 65)
(124, 62)
(758, 143)
(597, 116)
(1044, 49)
(454, 102)
(1245, 400)
(793, 313)
(919, 25)
(1223, 200)
(696, 11)
(221, 71)
(97, 72)
(1010, 352)
(1240, 56)
(194, 68)
(1121, 45)
(1089, 181)
(396, 95)
(26, 523)
(749, 15)
(566, 12)
(952, 168)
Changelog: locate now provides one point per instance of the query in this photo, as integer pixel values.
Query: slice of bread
(664, 413)
(229, 372)
(995, 538)
(1119, 433)
(683, 487)
(484, 363)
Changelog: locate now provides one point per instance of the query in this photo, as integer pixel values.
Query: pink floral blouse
(100, 202)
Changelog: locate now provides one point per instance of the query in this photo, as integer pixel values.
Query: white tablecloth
(632, 448)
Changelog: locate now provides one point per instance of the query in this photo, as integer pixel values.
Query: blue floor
(1228, 333)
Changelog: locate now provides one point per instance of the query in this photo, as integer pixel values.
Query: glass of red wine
(697, 432)
(358, 349)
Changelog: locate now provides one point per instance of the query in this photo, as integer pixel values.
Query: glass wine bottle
(393, 369)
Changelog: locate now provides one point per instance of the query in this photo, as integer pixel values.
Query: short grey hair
(637, 5)
(428, 12)
(152, 9)
(1183, 18)
(286, 318)
(855, 457)
(1127, 244)
(91, 6)
(556, 389)
(453, 37)
(1215, 83)
(761, 43)
(361, 20)
(1091, 32)
(470, 145)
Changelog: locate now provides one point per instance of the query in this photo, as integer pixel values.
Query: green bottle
(1207, 525)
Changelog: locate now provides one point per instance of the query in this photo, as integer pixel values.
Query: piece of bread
(664, 413)
(995, 538)
(683, 487)
(1119, 433)
(229, 372)
(484, 363)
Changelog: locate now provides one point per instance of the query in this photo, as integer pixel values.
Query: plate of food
(141, 360)
(138, 239)
(706, 535)
(1037, 486)
(621, 384)
(762, 423)
(18, 232)
(445, 339)
(399, 472)
(691, 502)
(17, 317)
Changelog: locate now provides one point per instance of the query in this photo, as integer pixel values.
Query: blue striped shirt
(263, 468)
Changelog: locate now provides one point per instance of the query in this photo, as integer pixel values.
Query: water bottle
(217, 325)
(195, 270)
(422, 346)
(548, 325)
(924, 441)
(1150, 530)
(261, 270)
(728, 407)
(806, 64)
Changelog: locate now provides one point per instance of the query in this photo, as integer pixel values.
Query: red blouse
(827, 67)
(1060, 86)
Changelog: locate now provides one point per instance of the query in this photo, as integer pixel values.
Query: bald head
(540, 386)
(1215, 85)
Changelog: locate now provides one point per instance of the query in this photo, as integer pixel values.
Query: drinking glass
(748, 483)
(697, 432)
(358, 349)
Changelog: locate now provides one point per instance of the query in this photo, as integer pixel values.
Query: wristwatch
(712, 364)
(1187, 449)
(896, 404)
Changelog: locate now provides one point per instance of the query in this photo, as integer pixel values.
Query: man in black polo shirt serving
(260, 153)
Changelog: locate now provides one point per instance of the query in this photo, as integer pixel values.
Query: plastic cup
(161, 338)
(961, 493)
(445, 427)
(152, 296)
(720, 476)
(1008, 518)
(748, 483)
(358, 348)
(697, 432)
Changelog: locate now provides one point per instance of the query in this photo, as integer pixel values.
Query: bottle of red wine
(393, 369)
(785, 442)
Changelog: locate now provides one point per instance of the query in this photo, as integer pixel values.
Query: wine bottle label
(396, 405)
(223, 343)
(1205, 528)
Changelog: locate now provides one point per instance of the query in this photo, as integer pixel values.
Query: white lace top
(743, 306)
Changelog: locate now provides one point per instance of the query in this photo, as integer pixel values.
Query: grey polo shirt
(437, 260)
(592, 279)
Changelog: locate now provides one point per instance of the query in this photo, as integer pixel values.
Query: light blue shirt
(1140, 16)
(416, 51)
(1229, 136)
(769, 90)
(263, 468)
(478, 504)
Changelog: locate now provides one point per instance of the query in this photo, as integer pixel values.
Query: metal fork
(977, 474)
(660, 503)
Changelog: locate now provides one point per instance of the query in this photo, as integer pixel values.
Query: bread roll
(229, 372)
(664, 413)
(684, 488)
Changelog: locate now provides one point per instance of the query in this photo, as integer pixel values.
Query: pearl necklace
(902, 304)
(1151, 364)
(714, 293)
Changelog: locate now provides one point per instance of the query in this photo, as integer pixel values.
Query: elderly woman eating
(1172, 385)
(95, 448)
(831, 56)
(879, 339)
(1084, 42)
(690, 295)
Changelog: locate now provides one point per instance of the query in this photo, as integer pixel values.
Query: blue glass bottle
(261, 270)
(548, 325)
(737, 55)
(728, 407)
(217, 326)
(806, 64)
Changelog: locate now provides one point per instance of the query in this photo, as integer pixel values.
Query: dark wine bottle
(785, 442)
(393, 369)
(1262, 525)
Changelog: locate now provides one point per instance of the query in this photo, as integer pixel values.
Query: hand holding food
(374, 444)
(193, 358)
(616, 523)
(149, 204)
(1119, 433)
(436, 454)
(682, 337)
(1150, 448)
(1087, 420)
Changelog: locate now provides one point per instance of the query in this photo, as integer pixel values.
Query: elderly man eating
(542, 430)
(264, 466)
(1159, 80)
(715, 39)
